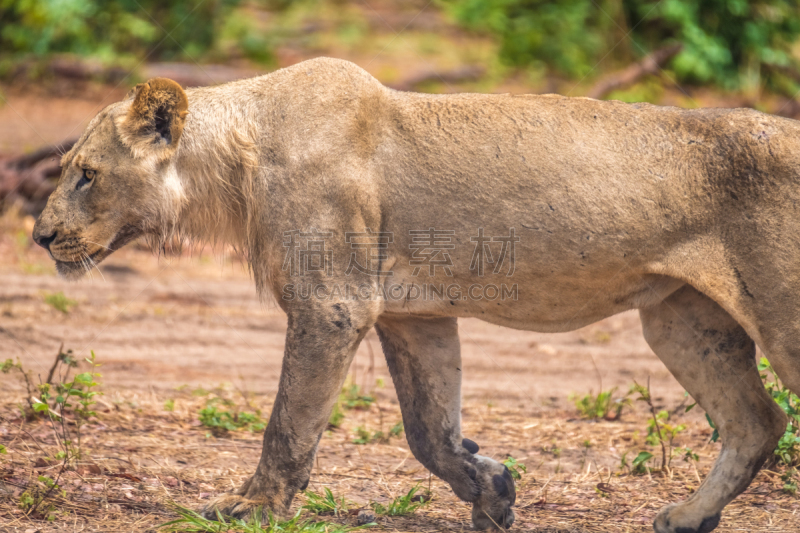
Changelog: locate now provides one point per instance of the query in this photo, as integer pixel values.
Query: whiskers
(87, 262)
(91, 264)
(100, 245)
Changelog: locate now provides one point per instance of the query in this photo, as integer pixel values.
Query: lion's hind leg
(714, 359)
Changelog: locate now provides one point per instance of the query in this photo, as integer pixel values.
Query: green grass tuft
(59, 302)
(402, 505)
(192, 522)
(322, 504)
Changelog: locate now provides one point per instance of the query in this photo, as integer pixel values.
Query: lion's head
(118, 182)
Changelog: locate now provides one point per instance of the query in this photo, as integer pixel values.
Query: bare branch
(650, 64)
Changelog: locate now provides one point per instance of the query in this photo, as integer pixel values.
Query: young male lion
(363, 207)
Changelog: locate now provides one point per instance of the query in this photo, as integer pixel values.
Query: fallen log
(456, 75)
(650, 64)
(28, 180)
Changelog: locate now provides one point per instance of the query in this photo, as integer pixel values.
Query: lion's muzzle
(42, 239)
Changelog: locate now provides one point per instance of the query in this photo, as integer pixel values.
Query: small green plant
(515, 468)
(659, 431)
(63, 360)
(787, 452)
(788, 446)
(790, 482)
(602, 406)
(76, 396)
(28, 412)
(220, 421)
(337, 416)
(26, 501)
(554, 449)
(169, 405)
(402, 505)
(623, 462)
(322, 504)
(639, 464)
(192, 522)
(396, 429)
(688, 455)
(32, 500)
(58, 399)
(59, 302)
(350, 398)
(715, 433)
(363, 436)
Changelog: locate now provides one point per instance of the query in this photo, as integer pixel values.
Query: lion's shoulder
(326, 75)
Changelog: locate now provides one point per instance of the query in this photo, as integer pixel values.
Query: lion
(363, 207)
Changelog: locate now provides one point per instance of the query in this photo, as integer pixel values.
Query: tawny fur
(691, 216)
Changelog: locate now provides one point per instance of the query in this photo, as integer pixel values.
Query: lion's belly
(526, 299)
(577, 313)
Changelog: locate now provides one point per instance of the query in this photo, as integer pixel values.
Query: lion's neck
(216, 164)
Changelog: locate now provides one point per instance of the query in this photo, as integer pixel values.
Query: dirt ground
(179, 331)
(182, 330)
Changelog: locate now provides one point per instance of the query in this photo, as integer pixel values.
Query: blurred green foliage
(734, 44)
(116, 30)
(737, 45)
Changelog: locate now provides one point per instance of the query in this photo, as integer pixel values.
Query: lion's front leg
(320, 343)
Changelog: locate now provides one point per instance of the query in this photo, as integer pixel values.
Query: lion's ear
(156, 116)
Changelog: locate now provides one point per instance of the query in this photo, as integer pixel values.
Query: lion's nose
(44, 240)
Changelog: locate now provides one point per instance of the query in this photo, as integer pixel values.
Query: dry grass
(141, 458)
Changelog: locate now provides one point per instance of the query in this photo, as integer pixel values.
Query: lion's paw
(684, 518)
(502, 520)
(492, 508)
(235, 506)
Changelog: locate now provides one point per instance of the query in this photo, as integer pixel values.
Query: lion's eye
(88, 175)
